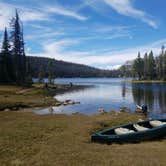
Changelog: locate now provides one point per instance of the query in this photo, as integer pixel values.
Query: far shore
(144, 81)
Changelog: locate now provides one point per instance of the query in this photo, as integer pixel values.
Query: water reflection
(153, 95)
(112, 94)
(123, 90)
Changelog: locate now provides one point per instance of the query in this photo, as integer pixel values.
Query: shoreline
(15, 98)
(144, 81)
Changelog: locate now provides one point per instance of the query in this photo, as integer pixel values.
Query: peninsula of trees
(148, 67)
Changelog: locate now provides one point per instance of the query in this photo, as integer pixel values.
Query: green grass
(64, 140)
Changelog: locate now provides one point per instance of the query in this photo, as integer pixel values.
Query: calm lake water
(112, 94)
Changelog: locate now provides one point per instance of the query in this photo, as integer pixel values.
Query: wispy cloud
(5, 14)
(37, 13)
(103, 59)
(8, 10)
(65, 12)
(125, 7)
(40, 35)
(31, 15)
(83, 33)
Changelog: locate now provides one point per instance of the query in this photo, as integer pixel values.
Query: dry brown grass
(145, 81)
(64, 140)
(15, 97)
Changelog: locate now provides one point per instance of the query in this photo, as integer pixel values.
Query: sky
(100, 33)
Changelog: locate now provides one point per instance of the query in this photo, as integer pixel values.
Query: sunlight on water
(112, 94)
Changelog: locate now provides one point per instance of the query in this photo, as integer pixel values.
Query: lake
(112, 94)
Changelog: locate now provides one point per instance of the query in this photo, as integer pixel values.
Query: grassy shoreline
(30, 139)
(15, 97)
(145, 81)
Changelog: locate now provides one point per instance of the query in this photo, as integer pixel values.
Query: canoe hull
(151, 134)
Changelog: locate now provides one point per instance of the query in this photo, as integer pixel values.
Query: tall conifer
(5, 60)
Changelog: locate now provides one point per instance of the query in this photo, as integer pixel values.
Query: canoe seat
(156, 123)
(140, 128)
(121, 130)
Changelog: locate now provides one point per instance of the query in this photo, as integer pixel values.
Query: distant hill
(66, 69)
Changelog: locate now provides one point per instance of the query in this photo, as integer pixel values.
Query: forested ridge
(45, 66)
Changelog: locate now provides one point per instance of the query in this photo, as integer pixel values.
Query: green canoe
(152, 133)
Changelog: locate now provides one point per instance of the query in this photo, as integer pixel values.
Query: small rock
(65, 103)
(71, 102)
(68, 101)
(7, 109)
(101, 110)
(77, 102)
(75, 113)
(140, 120)
(58, 104)
(117, 113)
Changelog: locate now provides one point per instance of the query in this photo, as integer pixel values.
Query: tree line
(147, 67)
(150, 67)
(13, 64)
(42, 67)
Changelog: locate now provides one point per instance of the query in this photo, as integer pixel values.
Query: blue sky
(100, 33)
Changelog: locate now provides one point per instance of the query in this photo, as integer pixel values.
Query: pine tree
(40, 75)
(1, 68)
(162, 63)
(158, 67)
(50, 74)
(139, 66)
(151, 66)
(18, 50)
(123, 71)
(23, 56)
(164, 66)
(145, 65)
(5, 60)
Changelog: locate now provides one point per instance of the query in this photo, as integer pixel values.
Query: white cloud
(57, 46)
(65, 12)
(43, 35)
(58, 51)
(111, 60)
(8, 11)
(125, 7)
(31, 15)
(112, 67)
(5, 14)
(40, 13)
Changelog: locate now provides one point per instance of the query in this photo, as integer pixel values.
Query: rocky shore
(39, 95)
